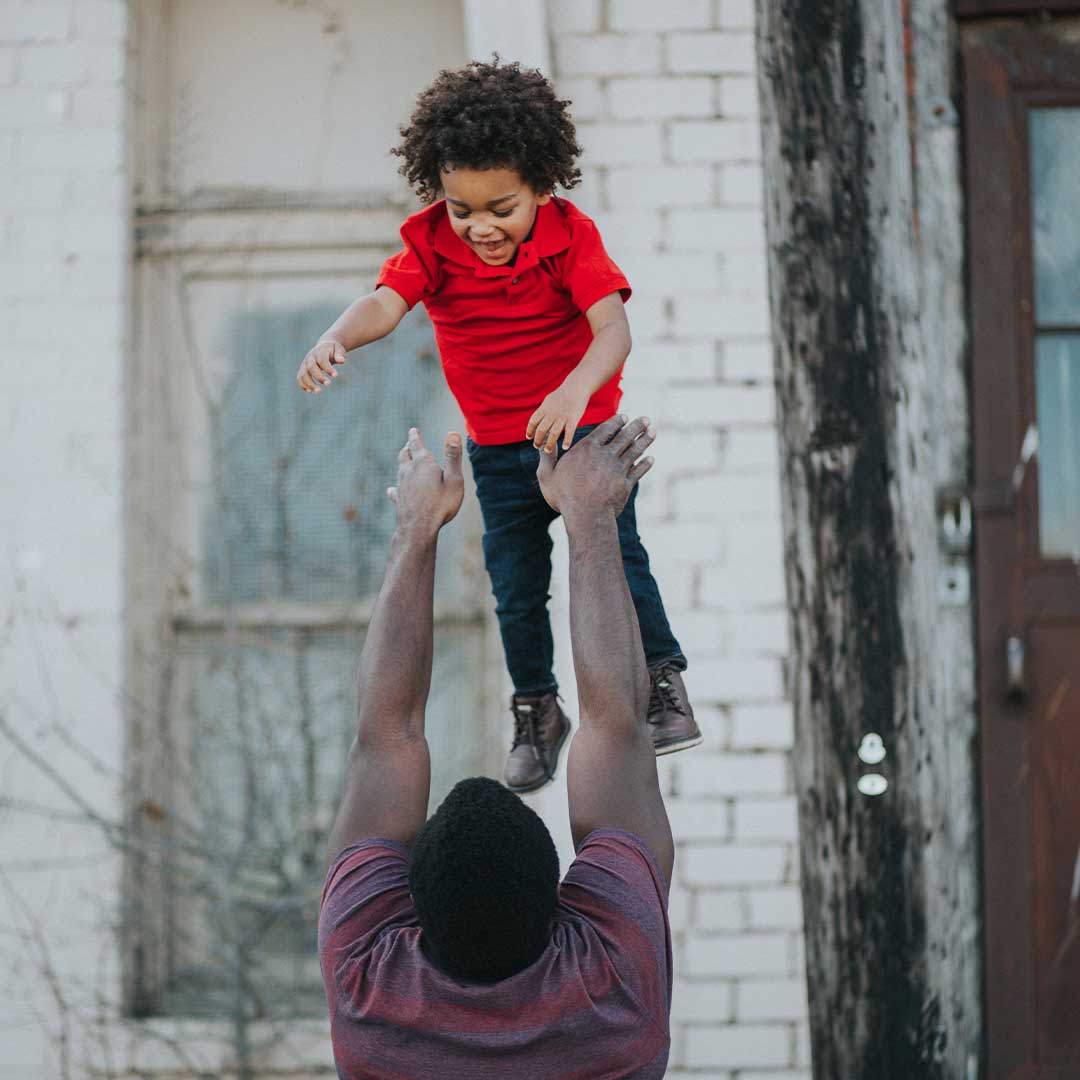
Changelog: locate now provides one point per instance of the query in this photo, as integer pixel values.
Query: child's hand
(600, 472)
(560, 411)
(317, 368)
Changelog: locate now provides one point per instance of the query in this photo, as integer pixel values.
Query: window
(270, 532)
(256, 515)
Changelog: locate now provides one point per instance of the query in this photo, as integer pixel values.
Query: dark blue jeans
(517, 551)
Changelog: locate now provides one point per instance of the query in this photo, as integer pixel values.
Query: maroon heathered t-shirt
(596, 1004)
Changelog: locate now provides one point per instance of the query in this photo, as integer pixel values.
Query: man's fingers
(416, 444)
(609, 429)
(404, 454)
(632, 435)
(640, 469)
(324, 364)
(452, 456)
(339, 354)
(642, 442)
(531, 426)
(545, 468)
(568, 438)
(391, 494)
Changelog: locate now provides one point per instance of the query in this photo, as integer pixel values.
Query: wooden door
(1023, 184)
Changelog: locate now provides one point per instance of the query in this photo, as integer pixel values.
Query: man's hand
(427, 496)
(599, 473)
(560, 411)
(317, 368)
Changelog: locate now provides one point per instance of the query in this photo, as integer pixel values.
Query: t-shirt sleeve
(589, 272)
(412, 272)
(616, 885)
(366, 893)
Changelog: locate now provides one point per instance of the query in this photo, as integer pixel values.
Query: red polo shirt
(509, 335)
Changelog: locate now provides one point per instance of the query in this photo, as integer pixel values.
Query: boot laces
(662, 694)
(526, 721)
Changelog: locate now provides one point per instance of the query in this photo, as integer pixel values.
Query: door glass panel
(1055, 186)
(1057, 378)
(1055, 191)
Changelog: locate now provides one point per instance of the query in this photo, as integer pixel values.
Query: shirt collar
(549, 236)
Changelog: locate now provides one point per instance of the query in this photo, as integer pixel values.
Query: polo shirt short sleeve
(589, 272)
(509, 335)
(413, 272)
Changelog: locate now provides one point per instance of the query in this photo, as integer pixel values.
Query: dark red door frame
(1008, 68)
(975, 8)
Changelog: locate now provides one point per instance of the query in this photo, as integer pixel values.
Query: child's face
(492, 210)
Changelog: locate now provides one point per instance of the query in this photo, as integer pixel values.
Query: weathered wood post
(889, 880)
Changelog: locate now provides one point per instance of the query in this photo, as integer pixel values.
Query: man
(465, 957)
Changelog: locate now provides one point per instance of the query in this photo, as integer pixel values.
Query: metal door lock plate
(954, 585)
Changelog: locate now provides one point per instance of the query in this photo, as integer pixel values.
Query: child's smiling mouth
(490, 247)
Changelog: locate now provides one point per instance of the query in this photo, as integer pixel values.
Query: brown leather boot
(540, 729)
(671, 719)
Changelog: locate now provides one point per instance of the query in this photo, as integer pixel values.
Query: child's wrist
(578, 385)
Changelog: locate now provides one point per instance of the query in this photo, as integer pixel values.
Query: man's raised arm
(388, 773)
(611, 772)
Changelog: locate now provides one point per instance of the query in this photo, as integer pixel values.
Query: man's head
(484, 878)
(496, 140)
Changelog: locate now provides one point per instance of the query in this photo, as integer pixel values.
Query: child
(528, 315)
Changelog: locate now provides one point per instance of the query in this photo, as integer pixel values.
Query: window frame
(160, 617)
(982, 8)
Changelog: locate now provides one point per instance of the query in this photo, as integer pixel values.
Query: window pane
(1055, 187)
(259, 734)
(1057, 377)
(291, 487)
(231, 111)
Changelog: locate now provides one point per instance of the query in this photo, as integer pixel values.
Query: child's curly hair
(485, 116)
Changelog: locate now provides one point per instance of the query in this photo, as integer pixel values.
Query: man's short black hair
(486, 116)
(484, 878)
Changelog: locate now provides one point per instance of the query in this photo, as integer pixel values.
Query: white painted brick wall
(739, 1045)
(668, 119)
(723, 865)
(732, 774)
(671, 15)
(773, 999)
(574, 16)
(766, 819)
(64, 235)
(713, 53)
(608, 54)
(741, 184)
(661, 187)
(622, 144)
(632, 99)
(737, 14)
(775, 909)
